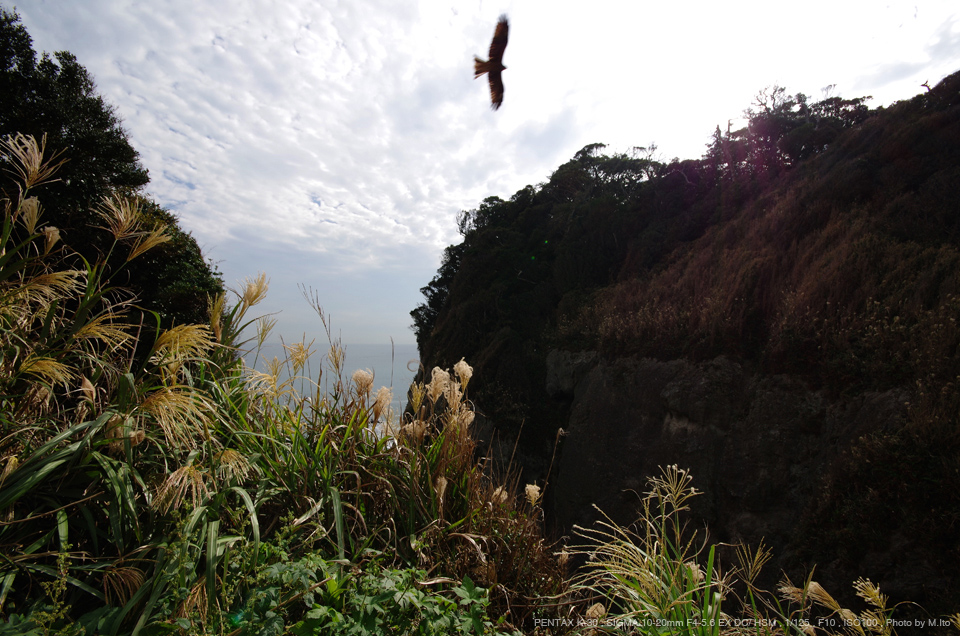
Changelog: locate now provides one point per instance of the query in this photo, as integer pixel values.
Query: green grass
(153, 483)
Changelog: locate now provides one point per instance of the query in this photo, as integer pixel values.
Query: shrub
(164, 493)
(656, 578)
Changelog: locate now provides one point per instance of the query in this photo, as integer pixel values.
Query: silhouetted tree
(55, 96)
(436, 293)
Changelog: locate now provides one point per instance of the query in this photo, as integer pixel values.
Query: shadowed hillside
(817, 248)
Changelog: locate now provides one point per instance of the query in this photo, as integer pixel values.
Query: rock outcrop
(758, 446)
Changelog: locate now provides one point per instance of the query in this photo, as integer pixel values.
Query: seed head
(231, 463)
(335, 358)
(440, 487)
(47, 369)
(439, 379)
(12, 463)
(464, 371)
(533, 493)
(382, 403)
(363, 380)
(791, 593)
(870, 592)
(417, 393)
(121, 214)
(254, 290)
(299, 353)
(265, 325)
(414, 431)
(451, 391)
(88, 390)
(26, 155)
(821, 596)
(149, 240)
(30, 213)
(181, 482)
(596, 611)
(215, 306)
(50, 237)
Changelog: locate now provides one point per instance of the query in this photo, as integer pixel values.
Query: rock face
(757, 446)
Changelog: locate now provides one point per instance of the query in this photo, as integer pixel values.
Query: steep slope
(780, 314)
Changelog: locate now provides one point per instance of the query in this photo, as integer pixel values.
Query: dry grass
(655, 578)
(180, 475)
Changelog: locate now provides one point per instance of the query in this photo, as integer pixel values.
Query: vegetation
(655, 579)
(187, 493)
(55, 97)
(190, 494)
(611, 251)
(152, 483)
(818, 241)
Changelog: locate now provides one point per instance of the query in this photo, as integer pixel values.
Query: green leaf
(213, 529)
(63, 529)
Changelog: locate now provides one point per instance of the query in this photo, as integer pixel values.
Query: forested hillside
(529, 270)
(820, 243)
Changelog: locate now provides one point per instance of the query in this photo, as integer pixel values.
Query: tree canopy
(54, 96)
(633, 255)
(820, 242)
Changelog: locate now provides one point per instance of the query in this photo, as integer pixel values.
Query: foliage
(55, 97)
(436, 293)
(81, 420)
(166, 492)
(820, 240)
(375, 600)
(654, 578)
(152, 483)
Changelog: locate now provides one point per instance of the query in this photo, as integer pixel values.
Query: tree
(436, 293)
(56, 97)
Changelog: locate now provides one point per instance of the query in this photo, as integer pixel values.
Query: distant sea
(392, 365)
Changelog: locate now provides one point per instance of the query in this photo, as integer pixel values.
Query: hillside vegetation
(54, 98)
(820, 241)
(186, 493)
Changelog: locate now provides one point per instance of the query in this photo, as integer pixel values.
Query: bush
(167, 492)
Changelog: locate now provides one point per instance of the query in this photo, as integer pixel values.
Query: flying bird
(494, 65)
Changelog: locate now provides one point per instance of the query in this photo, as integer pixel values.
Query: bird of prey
(494, 65)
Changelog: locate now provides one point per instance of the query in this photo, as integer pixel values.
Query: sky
(331, 144)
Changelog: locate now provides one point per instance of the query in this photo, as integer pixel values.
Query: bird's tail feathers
(479, 67)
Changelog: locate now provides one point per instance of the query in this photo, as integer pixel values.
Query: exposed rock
(757, 446)
(565, 369)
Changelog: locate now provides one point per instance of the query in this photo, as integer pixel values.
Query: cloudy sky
(331, 143)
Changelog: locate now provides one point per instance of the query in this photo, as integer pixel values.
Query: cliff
(779, 316)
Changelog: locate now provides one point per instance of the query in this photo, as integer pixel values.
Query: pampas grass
(169, 492)
(655, 577)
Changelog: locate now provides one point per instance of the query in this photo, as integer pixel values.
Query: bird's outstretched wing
(499, 43)
(496, 90)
